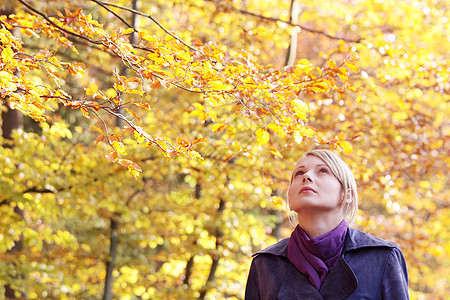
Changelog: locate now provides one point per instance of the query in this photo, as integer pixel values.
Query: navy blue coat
(369, 268)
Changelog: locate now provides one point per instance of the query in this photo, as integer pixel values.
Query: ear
(347, 199)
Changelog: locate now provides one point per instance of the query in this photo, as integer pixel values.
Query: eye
(323, 170)
(299, 173)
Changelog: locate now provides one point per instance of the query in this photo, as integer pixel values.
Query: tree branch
(272, 19)
(59, 27)
(103, 4)
(188, 271)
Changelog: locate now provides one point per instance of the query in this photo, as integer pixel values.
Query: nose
(307, 177)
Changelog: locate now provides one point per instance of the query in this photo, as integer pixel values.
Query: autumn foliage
(155, 156)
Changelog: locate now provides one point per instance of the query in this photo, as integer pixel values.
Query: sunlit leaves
(262, 136)
(166, 63)
(380, 103)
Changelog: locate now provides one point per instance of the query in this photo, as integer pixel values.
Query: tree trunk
(110, 265)
(114, 234)
(11, 120)
(133, 40)
(215, 259)
(292, 49)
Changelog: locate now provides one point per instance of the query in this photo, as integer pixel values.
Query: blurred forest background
(151, 163)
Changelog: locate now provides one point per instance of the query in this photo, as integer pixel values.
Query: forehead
(309, 162)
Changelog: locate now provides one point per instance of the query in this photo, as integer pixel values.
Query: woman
(324, 258)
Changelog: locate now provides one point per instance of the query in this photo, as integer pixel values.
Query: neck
(318, 223)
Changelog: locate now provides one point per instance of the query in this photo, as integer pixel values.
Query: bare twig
(59, 27)
(151, 18)
(272, 19)
(102, 4)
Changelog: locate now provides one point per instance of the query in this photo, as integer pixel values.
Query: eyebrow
(319, 165)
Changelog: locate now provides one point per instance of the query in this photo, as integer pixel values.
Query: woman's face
(314, 187)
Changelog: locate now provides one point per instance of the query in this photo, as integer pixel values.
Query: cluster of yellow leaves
(263, 93)
(21, 93)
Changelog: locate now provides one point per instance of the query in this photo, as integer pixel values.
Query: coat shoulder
(356, 239)
(279, 248)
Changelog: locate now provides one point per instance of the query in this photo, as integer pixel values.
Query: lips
(307, 189)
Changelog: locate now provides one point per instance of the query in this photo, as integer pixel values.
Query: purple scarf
(315, 257)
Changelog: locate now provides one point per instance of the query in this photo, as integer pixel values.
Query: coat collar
(355, 239)
(340, 281)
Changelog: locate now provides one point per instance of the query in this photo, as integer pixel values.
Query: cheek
(291, 191)
(336, 190)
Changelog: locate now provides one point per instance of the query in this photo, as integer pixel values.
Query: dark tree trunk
(11, 120)
(215, 259)
(110, 265)
(114, 234)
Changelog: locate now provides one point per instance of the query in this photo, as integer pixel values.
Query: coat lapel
(340, 282)
(296, 286)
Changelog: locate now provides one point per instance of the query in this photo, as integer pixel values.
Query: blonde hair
(344, 175)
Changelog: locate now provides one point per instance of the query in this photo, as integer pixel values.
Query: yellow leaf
(424, 184)
(304, 131)
(139, 138)
(298, 137)
(399, 116)
(184, 56)
(277, 129)
(320, 87)
(119, 87)
(183, 143)
(124, 162)
(201, 114)
(331, 64)
(132, 113)
(145, 106)
(219, 86)
(128, 30)
(300, 108)
(218, 127)
(5, 76)
(112, 156)
(276, 153)
(89, 92)
(276, 200)
(340, 136)
(352, 66)
(77, 69)
(119, 147)
(343, 78)
(198, 106)
(346, 147)
(97, 129)
(262, 136)
(137, 92)
(85, 111)
(7, 54)
(134, 172)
